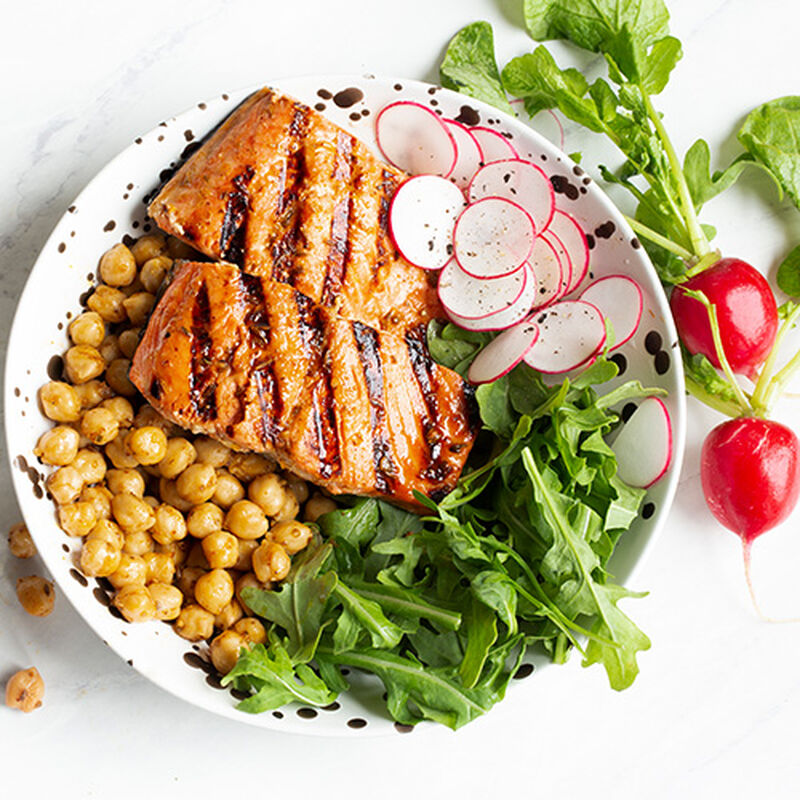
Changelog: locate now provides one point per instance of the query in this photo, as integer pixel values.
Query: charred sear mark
(234, 223)
(338, 251)
(368, 346)
(202, 387)
(289, 236)
(256, 318)
(326, 439)
(155, 389)
(270, 402)
(383, 242)
(422, 364)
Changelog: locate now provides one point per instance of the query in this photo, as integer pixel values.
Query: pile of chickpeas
(178, 524)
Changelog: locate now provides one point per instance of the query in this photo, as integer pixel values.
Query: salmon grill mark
(234, 223)
(270, 403)
(368, 346)
(326, 437)
(256, 319)
(155, 389)
(422, 365)
(339, 250)
(202, 389)
(383, 243)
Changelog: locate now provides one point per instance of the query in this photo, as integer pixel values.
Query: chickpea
(214, 590)
(25, 690)
(135, 603)
(36, 595)
(197, 483)
(269, 492)
(293, 536)
(108, 531)
(169, 494)
(147, 416)
(77, 519)
(229, 615)
(248, 466)
(224, 650)
(148, 445)
(138, 543)
(109, 348)
(288, 510)
(177, 551)
(133, 288)
(178, 456)
(64, 484)
(271, 562)
(92, 393)
(129, 340)
(58, 446)
(99, 426)
(153, 272)
(244, 563)
(160, 567)
(298, 487)
(170, 525)
(117, 377)
(117, 266)
(132, 513)
(122, 410)
(20, 542)
(178, 249)
(251, 630)
(107, 302)
(316, 506)
(131, 571)
(99, 558)
(187, 579)
(194, 623)
(100, 498)
(246, 520)
(244, 582)
(138, 307)
(87, 328)
(229, 489)
(221, 549)
(204, 519)
(90, 465)
(119, 455)
(168, 600)
(211, 452)
(59, 402)
(147, 247)
(125, 481)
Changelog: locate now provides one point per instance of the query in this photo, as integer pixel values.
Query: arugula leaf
(788, 277)
(696, 169)
(481, 628)
(454, 347)
(469, 66)
(369, 615)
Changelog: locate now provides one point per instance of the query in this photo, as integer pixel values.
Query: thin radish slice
(422, 219)
(475, 298)
(414, 139)
(506, 317)
(644, 445)
(570, 333)
(520, 181)
(494, 146)
(469, 154)
(619, 300)
(546, 266)
(493, 238)
(503, 353)
(563, 257)
(571, 235)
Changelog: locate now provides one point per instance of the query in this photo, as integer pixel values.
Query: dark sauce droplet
(662, 362)
(627, 411)
(402, 728)
(324, 94)
(348, 97)
(635, 243)
(238, 694)
(188, 135)
(65, 548)
(524, 671)
(109, 226)
(320, 106)
(562, 185)
(77, 576)
(214, 681)
(653, 342)
(648, 509)
(590, 242)
(620, 361)
(356, 723)
(62, 247)
(277, 714)
(467, 115)
(55, 368)
(605, 231)
(306, 713)
(334, 706)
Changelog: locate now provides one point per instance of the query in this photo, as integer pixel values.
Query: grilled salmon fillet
(255, 363)
(285, 194)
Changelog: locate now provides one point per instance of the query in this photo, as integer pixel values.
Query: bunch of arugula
(443, 607)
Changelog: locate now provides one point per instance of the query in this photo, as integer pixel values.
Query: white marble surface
(715, 710)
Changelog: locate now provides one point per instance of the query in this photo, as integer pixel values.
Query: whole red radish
(746, 311)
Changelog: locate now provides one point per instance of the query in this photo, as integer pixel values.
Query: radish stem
(711, 400)
(657, 238)
(762, 393)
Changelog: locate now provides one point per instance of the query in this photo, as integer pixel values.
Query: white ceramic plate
(113, 205)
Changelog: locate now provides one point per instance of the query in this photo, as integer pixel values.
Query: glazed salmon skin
(284, 193)
(257, 364)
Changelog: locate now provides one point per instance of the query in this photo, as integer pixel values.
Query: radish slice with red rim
(494, 146)
(476, 298)
(414, 139)
(563, 257)
(520, 181)
(619, 300)
(572, 237)
(506, 317)
(422, 218)
(546, 266)
(469, 154)
(570, 333)
(644, 445)
(493, 238)
(503, 353)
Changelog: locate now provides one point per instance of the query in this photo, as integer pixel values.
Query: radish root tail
(761, 615)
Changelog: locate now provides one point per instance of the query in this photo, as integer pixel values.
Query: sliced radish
(564, 259)
(469, 154)
(619, 300)
(520, 181)
(414, 139)
(503, 353)
(493, 237)
(547, 268)
(506, 317)
(570, 333)
(644, 445)
(571, 235)
(475, 298)
(422, 218)
(494, 146)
